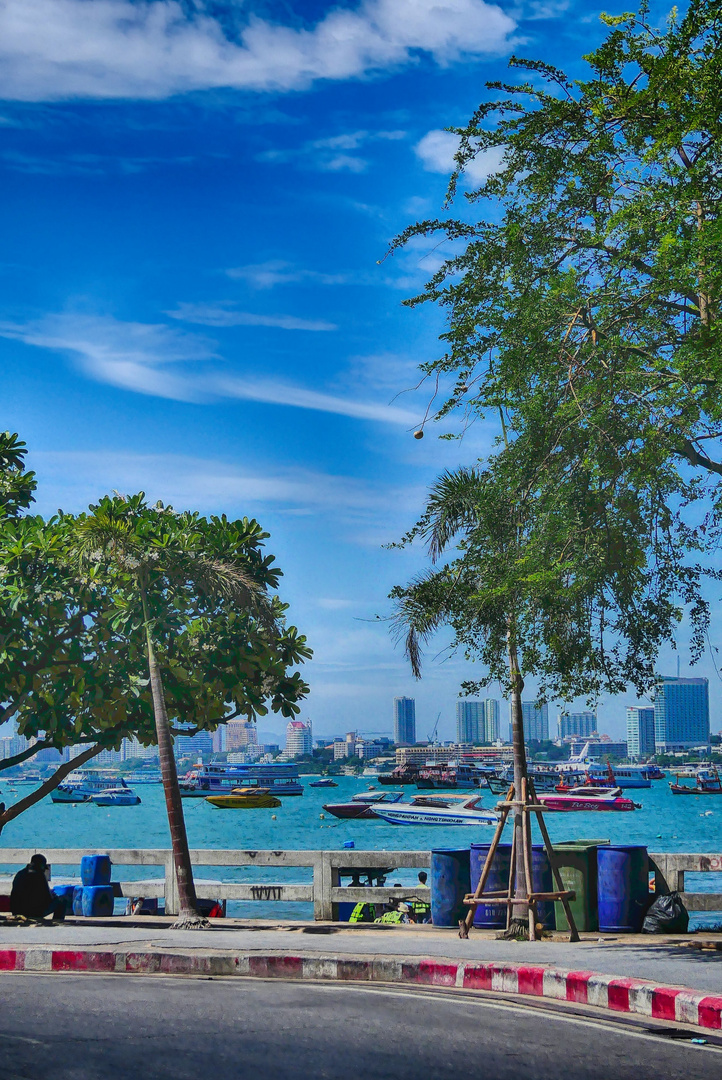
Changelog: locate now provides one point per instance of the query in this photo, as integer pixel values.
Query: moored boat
(402, 774)
(323, 782)
(250, 798)
(363, 805)
(707, 782)
(587, 797)
(437, 810)
(281, 778)
(119, 796)
(81, 787)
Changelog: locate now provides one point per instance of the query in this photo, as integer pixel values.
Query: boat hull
(69, 796)
(575, 805)
(115, 800)
(239, 802)
(399, 816)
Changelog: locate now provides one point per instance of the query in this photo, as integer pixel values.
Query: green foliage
(583, 308)
(73, 665)
(220, 636)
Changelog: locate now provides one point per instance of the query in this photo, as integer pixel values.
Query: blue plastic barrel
(492, 916)
(450, 883)
(65, 893)
(543, 881)
(77, 900)
(97, 901)
(95, 869)
(622, 888)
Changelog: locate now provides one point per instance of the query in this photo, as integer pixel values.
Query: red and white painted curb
(673, 1003)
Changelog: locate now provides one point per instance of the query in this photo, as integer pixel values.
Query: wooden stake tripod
(528, 805)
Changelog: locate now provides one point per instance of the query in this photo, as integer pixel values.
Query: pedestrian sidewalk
(674, 978)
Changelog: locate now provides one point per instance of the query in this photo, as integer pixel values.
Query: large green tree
(582, 297)
(583, 290)
(200, 595)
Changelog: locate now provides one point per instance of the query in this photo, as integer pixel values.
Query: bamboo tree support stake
(573, 932)
(466, 922)
(529, 805)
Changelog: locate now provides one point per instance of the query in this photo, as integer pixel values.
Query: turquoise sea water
(665, 823)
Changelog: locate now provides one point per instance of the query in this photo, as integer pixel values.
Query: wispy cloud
(75, 478)
(436, 152)
(55, 49)
(267, 275)
(226, 313)
(85, 164)
(332, 154)
(164, 361)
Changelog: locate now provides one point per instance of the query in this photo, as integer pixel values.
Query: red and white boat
(586, 797)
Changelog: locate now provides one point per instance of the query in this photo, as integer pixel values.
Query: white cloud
(75, 478)
(225, 313)
(145, 358)
(267, 275)
(436, 152)
(55, 49)
(331, 154)
(134, 356)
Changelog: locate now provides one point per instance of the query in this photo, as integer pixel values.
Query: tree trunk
(521, 888)
(49, 785)
(188, 917)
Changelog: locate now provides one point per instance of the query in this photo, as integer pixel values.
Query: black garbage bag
(667, 915)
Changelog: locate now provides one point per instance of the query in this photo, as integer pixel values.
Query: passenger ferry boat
(81, 786)
(622, 776)
(221, 779)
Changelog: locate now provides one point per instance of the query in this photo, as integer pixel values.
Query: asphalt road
(79, 1027)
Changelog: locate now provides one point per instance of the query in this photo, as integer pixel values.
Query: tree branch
(49, 785)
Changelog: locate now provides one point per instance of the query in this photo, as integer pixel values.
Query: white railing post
(172, 902)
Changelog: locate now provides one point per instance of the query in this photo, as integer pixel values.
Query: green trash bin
(577, 863)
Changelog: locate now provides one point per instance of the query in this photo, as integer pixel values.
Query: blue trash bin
(77, 900)
(622, 888)
(492, 916)
(95, 869)
(450, 883)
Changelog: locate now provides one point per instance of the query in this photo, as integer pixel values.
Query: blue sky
(197, 203)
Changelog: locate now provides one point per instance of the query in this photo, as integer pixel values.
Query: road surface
(75, 1027)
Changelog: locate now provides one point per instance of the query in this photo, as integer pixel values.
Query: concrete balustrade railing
(325, 890)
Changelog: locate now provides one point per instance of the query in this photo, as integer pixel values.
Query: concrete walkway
(693, 961)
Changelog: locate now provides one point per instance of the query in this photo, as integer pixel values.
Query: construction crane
(432, 736)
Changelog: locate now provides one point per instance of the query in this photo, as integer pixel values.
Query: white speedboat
(437, 810)
(120, 796)
(82, 786)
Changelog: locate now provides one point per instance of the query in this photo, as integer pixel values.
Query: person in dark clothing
(31, 895)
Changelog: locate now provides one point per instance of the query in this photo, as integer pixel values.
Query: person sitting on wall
(31, 896)
(421, 909)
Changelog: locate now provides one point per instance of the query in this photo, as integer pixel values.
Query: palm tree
(476, 597)
(164, 569)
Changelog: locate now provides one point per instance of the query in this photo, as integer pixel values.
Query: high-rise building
(681, 714)
(299, 739)
(571, 724)
(404, 721)
(535, 718)
(240, 733)
(492, 721)
(129, 748)
(193, 745)
(470, 725)
(219, 739)
(640, 731)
